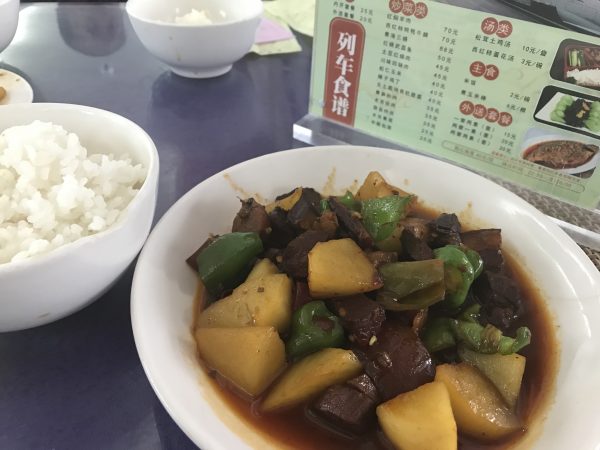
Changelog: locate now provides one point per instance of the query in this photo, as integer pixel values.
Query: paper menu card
(503, 96)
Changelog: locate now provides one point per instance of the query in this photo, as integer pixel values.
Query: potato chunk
(420, 419)
(310, 376)
(375, 186)
(286, 203)
(263, 301)
(262, 268)
(504, 371)
(478, 408)
(339, 268)
(249, 357)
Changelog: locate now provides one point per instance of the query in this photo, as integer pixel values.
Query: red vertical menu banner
(344, 61)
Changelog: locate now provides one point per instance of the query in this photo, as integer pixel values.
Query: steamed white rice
(53, 192)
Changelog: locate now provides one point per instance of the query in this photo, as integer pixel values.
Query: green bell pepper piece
(471, 314)
(324, 205)
(224, 260)
(489, 339)
(411, 285)
(442, 333)
(438, 334)
(417, 300)
(459, 274)
(349, 201)
(475, 260)
(403, 278)
(381, 215)
(314, 327)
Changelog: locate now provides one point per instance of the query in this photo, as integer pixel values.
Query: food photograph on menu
(568, 153)
(577, 63)
(569, 110)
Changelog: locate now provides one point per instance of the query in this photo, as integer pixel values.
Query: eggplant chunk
(348, 407)
(364, 384)
(301, 295)
(327, 222)
(398, 361)
(252, 217)
(445, 230)
(501, 302)
(478, 240)
(361, 317)
(282, 232)
(417, 226)
(306, 210)
(294, 258)
(351, 223)
(493, 260)
(378, 258)
(415, 248)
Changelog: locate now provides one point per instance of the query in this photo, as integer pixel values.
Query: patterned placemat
(589, 220)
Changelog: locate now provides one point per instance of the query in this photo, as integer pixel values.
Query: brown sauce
(293, 429)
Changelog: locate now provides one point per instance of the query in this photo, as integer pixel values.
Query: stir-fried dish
(365, 321)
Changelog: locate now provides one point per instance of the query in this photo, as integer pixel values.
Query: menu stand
(583, 225)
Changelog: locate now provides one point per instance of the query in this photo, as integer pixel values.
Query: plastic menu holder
(483, 91)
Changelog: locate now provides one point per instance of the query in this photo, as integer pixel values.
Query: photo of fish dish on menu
(567, 154)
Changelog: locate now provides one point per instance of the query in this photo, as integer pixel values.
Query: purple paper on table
(271, 31)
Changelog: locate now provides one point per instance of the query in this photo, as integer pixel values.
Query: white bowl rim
(5, 2)
(36, 261)
(225, 23)
(206, 439)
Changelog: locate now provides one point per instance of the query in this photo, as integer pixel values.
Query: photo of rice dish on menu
(582, 66)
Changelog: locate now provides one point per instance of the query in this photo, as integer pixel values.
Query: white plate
(18, 90)
(164, 287)
(591, 164)
(544, 113)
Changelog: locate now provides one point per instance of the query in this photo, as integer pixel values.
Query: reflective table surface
(78, 383)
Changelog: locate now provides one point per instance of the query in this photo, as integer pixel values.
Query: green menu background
(416, 74)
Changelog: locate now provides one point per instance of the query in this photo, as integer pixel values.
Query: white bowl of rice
(196, 38)
(77, 199)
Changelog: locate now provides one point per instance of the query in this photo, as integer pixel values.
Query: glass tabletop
(78, 383)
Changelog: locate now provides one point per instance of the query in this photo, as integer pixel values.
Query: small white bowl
(50, 286)
(9, 18)
(198, 50)
(164, 287)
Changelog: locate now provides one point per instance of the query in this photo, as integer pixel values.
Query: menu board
(503, 96)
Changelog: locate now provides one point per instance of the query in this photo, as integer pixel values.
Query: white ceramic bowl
(9, 18)
(164, 286)
(47, 287)
(196, 50)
